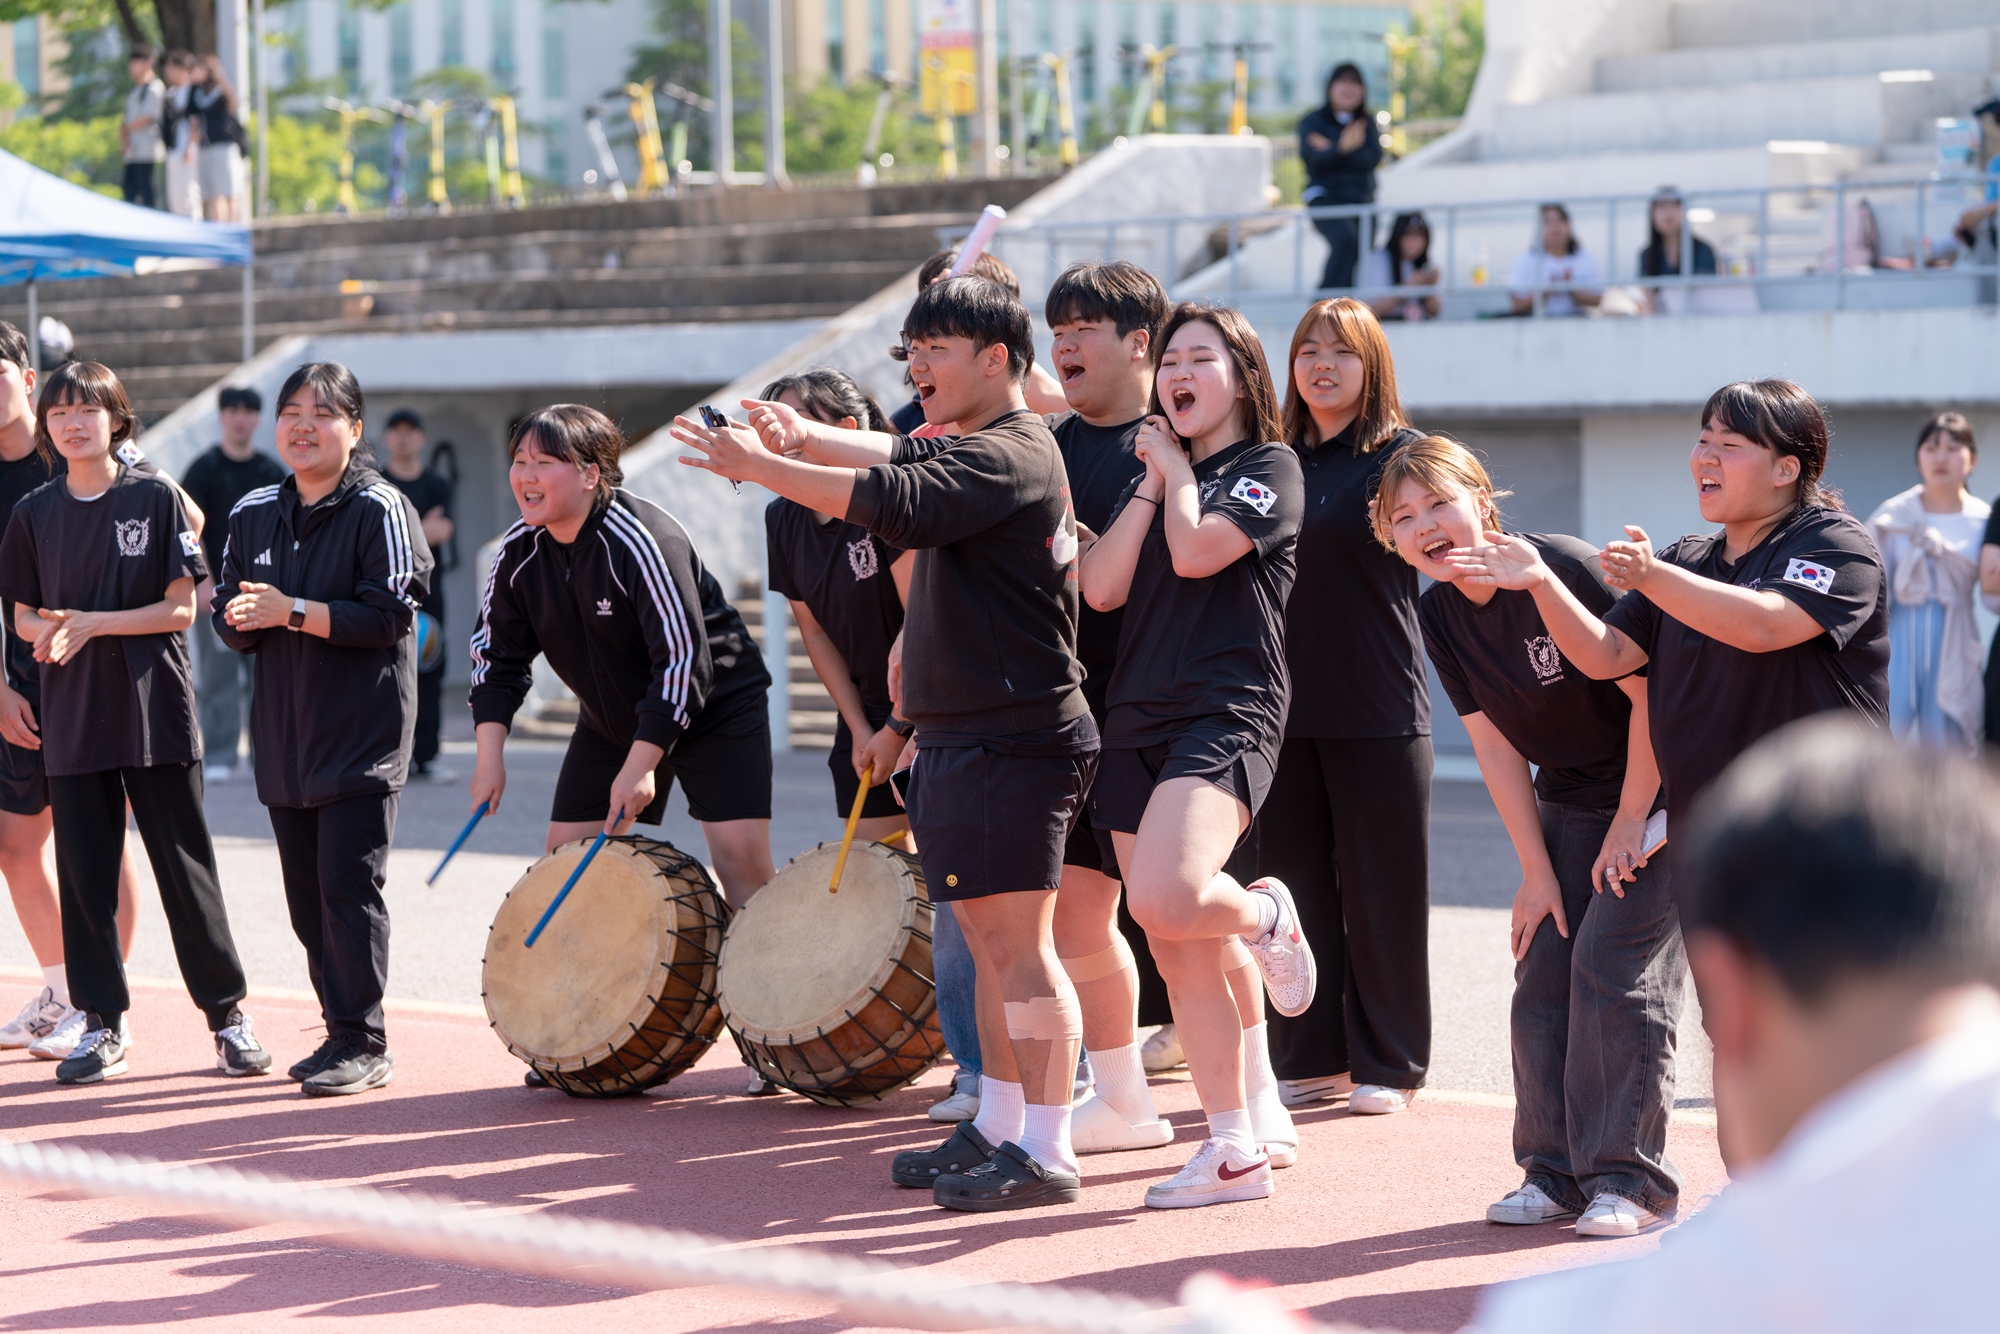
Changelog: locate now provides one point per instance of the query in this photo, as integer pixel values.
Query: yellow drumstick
(853, 819)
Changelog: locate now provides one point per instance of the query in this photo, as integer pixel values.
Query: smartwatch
(902, 727)
(297, 619)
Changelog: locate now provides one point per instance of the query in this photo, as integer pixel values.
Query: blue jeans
(1916, 642)
(1594, 1023)
(951, 968)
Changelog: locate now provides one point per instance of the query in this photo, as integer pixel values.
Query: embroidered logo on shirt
(604, 606)
(263, 557)
(190, 544)
(1254, 494)
(132, 455)
(1819, 578)
(132, 535)
(861, 559)
(1545, 659)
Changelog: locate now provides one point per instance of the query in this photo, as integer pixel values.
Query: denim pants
(951, 968)
(1916, 644)
(1594, 1024)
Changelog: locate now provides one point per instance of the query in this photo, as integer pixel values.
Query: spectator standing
(217, 480)
(1930, 536)
(430, 492)
(181, 131)
(139, 132)
(1404, 262)
(1557, 259)
(1667, 217)
(222, 141)
(1340, 149)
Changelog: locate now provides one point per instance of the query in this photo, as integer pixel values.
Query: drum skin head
(593, 972)
(798, 959)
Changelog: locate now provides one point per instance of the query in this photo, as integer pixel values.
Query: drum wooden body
(830, 995)
(618, 993)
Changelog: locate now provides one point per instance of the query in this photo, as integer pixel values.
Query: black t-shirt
(908, 417)
(1213, 647)
(125, 701)
(1102, 469)
(840, 571)
(216, 482)
(1709, 702)
(1992, 538)
(1500, 661)
(427, 491)
(1351, 636)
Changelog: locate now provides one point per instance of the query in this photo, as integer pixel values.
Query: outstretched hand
(782, 427)
(1627, 565)
(1502, 561)
(733, 451)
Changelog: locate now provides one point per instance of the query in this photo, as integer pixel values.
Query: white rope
(636, 1257)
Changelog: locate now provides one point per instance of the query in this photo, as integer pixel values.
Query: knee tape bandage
(1103, 964)
(1056, 1019)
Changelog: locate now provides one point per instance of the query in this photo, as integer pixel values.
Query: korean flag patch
(1254, 494)
(131, 454)
(190, 544)
(1817, 577)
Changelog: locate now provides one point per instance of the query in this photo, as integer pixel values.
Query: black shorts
(1227, 758)
(1089, 846)
(24, 788)
(723, 762)
(881, 803)
(990, 823)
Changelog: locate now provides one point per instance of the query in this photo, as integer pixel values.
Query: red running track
(1381, 1223)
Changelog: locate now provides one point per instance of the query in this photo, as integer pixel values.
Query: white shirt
(1876, 1214)
(1532, 267)
(1963, 533)
(145, 99)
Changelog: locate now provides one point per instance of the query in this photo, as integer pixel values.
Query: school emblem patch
(133, 535)
(1810, 574)
(1254, 494)
(861, 559)
(1544, 657)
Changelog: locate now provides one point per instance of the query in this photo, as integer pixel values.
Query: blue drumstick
(570, 883)
(457, 843)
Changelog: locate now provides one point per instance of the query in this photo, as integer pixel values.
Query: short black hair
(14, 346)
(985, 265)
(1118, 290)
(239, 396)
(576, 434)
(404, 417)
(1829, 849)
(974, 308)
(332, 384)
(143, 51)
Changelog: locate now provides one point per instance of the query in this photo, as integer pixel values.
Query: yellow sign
(948, 36)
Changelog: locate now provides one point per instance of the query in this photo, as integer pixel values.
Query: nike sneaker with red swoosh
(1219, 1173)
(1283, 955)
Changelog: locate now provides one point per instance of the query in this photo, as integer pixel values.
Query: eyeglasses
(900, 351)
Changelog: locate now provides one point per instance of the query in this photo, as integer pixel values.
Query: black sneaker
(237, 1051)
(99, 1054)
(351, 1068)
(1009, 1180)
(919, 1169)
(301, 1071)
(534, 1080)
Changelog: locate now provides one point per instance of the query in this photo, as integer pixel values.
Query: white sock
(1258, 1079)
(1267, 914)
(1002, 1109)
(56, 978)
(1045, 1138)
(1121, 1082)
(1233, 1129)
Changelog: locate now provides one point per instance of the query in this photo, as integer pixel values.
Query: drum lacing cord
(643, 1258)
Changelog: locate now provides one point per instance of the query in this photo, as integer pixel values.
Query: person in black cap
(223, 475)
(430, 492)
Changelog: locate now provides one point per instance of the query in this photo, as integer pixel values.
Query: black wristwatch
(902, 727)
(298, 617)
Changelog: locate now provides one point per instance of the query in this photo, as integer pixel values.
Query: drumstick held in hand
(458, 842)
(853, 819)
(569, 884)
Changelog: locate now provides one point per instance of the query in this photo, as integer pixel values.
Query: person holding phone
(1599, 968)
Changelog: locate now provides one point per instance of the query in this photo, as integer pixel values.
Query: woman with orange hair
(1347, 824)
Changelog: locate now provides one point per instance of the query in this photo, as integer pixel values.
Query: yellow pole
(1156, 70)
(1239, 106)
(646, 130)
(510, 153)
(440, 197)
(1065, 108)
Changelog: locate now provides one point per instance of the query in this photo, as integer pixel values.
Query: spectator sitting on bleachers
(1404, 262)
(1556, 258)
(1662, 255)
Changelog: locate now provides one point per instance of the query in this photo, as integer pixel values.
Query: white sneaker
(1162, 1052)
(1276, 1135)
(219, 773)
(1615, 1216)
(37, 1019)
(758, 1086)
(1283, 955)
(1378, 1100)
(962, 1104)
(1525, 1204)
(1095, 1126)
(1217, 1174)
(1326, 1088)
(60, 1043)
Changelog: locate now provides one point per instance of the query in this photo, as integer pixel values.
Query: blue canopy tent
(51, 229)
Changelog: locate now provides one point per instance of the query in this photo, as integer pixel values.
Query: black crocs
(1008, 1180)
(919, 1169)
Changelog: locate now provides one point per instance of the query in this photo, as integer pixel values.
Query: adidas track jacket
(628, 618)
(333, 717)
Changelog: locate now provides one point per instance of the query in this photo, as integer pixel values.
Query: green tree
(1438, 82)
(83, 152)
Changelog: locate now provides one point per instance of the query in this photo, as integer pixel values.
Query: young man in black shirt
(1005, 745)
(217, 479)
(1598, 977)
(403, 439)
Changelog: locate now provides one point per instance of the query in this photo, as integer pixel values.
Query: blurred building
(31, 52)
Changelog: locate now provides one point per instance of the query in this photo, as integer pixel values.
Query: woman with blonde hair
(1347, 825)
(1598, 977)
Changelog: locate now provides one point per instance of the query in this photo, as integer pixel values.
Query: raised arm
(1106, 568)
(1504, 561)
(1752, 619)
(787, 431)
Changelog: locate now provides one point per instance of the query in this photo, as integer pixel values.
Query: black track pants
(89, 816)
(335, 858)
(1347, 828)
